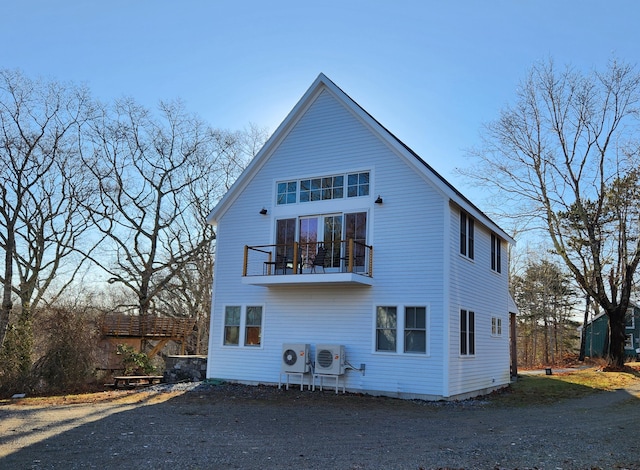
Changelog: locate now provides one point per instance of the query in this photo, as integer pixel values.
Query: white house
(411, 295)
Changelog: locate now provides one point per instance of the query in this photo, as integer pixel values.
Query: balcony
(339, 262)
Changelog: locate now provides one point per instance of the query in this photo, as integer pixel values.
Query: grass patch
(547, 389)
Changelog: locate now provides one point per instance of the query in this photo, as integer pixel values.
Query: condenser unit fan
(294, 358)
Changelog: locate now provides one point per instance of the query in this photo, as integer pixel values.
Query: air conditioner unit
(330, 359)
(295, 358)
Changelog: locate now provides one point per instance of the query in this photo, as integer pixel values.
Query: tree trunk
(583, 339)
(7, 304)
(617, 337)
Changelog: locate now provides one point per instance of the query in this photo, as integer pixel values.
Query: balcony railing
(308, 259)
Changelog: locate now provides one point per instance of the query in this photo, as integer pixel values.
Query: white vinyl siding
(409, 266)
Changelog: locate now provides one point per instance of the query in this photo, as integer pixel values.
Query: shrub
(69, 342)
(134, 361)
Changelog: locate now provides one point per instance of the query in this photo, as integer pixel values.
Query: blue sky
(432, 72)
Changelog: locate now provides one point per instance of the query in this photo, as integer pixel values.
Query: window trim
(631, 311)
(469, 331)
(401, 330)
(496, 326)
(496, 253)
(325, 191)
(242, 327)
(467, 235)
(378, 329)
(415, 329)
(225, 325)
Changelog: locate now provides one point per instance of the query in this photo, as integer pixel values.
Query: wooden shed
(135, 331)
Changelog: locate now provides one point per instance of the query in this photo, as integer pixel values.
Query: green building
(597, 334)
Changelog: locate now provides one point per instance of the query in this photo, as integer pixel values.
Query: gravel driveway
(232, 426)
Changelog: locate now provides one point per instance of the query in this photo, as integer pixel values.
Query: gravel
(204, 426)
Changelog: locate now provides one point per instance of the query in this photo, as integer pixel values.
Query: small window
(287, 192)
(628, 343)
(496, 253)
(629, 318)
(466, 235)
(415, 330)
(386, 327)
(467, 333)
(232, 326)
(496, 326)
(358, 184)
(253, 326)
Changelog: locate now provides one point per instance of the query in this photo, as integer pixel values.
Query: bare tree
(144, 168)
(189, 292)
(41, 190)
(567, 155)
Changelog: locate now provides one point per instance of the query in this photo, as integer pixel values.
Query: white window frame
(401, 328)
(628, 341)
(467, 229)
(630, 312)
(468, 335)
(242, 331)
(496, 253)
(496, 326)
(343, 188)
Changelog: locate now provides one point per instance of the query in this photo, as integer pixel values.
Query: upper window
(358, 184)
(415, 329)
(466, 235)
(467, 333)
(496, 326)
(287, 192)
(323, 188)
(629, 318)
(496, 253)
(318, 189)
(628, 341)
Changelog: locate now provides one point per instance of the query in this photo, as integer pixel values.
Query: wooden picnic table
(136, 380)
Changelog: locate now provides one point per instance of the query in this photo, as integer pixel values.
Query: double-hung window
(496, 253)
(232, 325)
(253, 326)
(401, 333)
(415, 330)
(466, 235)
(386, 327)
(467, 333)
(237, 319)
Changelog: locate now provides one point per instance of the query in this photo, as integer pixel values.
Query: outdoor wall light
(379, 200)
(263, 211)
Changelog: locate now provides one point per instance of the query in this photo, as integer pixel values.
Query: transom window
(358, 184)
(287, 192)
(319, 189)
(323, 188)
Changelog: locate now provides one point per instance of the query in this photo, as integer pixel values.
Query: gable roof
(320, 84)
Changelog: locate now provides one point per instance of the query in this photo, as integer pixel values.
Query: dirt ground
(239, 427)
